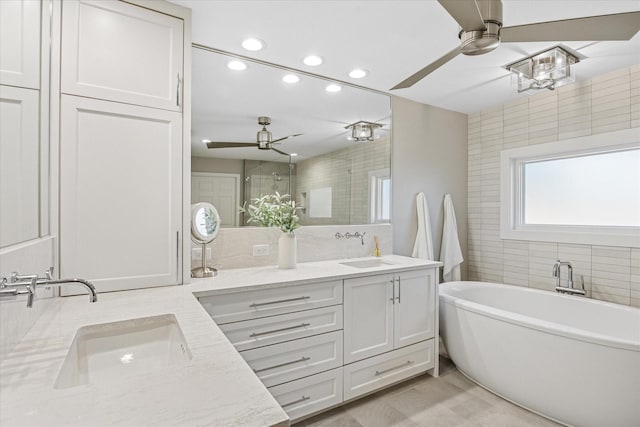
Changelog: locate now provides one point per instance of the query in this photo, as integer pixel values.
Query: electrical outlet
(260, 250)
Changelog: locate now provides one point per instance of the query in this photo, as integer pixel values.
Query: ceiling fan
(482, 31)
(263, 139)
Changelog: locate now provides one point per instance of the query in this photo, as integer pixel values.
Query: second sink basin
(366, 263)
(118, 349)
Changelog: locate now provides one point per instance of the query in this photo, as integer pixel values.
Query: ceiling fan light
(236, 65)
(544, 70)
(263, 138)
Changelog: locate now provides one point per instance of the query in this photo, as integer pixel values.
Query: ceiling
(394, 39)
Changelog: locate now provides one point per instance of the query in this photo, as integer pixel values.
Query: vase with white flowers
(275, 210)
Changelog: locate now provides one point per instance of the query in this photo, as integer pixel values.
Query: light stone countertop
(216, 388)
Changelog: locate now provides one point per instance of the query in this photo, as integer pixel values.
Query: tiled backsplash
(233, 247)
(604, 104)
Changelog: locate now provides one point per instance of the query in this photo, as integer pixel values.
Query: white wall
(604, 104)
(429, 155)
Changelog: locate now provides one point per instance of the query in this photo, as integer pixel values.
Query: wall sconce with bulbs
(362, 131)
(544, 70)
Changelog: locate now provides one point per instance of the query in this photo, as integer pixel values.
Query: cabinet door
(414, 311)
(368, 317)
(20, 43)
(121, 52)
(120, 194)
(19, 164)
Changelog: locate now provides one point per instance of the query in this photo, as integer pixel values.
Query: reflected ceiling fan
(482, 31)
(263, 139)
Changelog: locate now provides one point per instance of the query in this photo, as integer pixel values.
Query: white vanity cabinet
(20, 43)
(291, 336)
(318, 345)
(386, 312)
(121, 52)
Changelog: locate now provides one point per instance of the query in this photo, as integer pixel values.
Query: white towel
(450, 252)
(423, 246)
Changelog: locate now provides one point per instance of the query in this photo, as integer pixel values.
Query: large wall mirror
(338, 175)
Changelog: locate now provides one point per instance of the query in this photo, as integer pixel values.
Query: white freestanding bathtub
(571, 359)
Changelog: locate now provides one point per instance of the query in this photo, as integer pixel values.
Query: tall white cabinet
(121, 144)
(21, 100)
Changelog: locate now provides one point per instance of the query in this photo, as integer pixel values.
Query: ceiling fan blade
(427, 70)
(466, 13)
(619, 26)
(278, 151)
(286, 137)
(216, 144)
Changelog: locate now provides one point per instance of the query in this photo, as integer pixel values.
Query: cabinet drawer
(311, 394)
(240, 306)
(272, 330)
(277, 364)
(371, 374)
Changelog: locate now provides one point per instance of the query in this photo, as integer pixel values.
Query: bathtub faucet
(569, 289)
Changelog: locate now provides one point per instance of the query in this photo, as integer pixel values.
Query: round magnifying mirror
(205, 224)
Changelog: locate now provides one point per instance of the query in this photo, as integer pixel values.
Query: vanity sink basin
(367, 263)
(115, 350)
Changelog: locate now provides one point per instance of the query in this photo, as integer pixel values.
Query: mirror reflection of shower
(267, 177)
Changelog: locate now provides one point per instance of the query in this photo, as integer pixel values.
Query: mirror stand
(204, 270)
(205, 223)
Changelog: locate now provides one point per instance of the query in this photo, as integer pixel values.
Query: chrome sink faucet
(18, 284)
(569, 289)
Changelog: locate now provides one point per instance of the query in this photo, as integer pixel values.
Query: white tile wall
(604, 104)
(347, 173)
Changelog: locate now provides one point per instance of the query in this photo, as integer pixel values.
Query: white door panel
(121, 52)
(368, 322)
(222, 190)
(414, 314)
(20, 43)
(19, 164)
(120, 194)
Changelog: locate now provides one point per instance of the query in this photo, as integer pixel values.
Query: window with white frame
(379, 196)
(583, 190)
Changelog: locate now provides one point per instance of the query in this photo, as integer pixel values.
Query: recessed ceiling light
(333, 88)
(237, 65)
(252, 44)
(293, 154)
(358, 73)
(312, 60)
(291, 78)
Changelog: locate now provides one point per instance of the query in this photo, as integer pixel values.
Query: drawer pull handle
(301, 325)
(302, 359)
(260, 304)
(408, 362)
(302, 399)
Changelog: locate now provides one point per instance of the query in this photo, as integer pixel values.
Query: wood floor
(449, 401)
